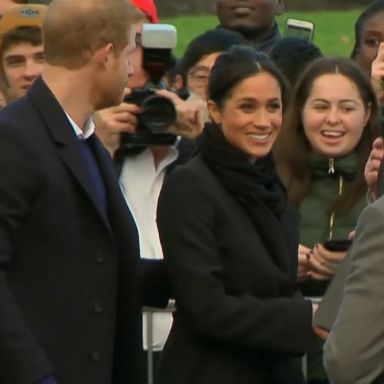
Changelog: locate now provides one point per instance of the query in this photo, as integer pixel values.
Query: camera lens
(157, 113)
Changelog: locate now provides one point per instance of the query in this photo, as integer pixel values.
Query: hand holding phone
(337, 245)
(325, 258)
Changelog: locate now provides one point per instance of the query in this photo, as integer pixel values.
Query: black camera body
(157, 113)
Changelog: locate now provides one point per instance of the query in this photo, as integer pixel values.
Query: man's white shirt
(141, 183)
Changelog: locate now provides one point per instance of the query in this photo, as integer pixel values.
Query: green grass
(333, 29)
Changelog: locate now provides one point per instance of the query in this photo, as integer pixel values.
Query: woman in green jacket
(321, 154)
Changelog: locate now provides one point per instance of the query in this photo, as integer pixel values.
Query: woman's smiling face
(251, 117)
(334, 116)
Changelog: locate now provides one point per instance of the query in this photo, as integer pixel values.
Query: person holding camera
(200, 55)
(147, 135)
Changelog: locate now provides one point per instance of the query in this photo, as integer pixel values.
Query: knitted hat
(23, 15)
(149, 8)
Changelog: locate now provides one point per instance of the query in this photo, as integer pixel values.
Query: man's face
(22, 64)
(111, 82)
(124, 71)
(244, 15)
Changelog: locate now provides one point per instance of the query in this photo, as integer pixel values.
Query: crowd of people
(274, 151)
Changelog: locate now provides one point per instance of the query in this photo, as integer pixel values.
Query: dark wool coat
(239, 319)
(69, 303)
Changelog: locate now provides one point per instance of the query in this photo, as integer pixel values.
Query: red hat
(149, 8)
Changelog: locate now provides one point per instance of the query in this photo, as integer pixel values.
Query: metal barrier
(149, 311)
(169, 309)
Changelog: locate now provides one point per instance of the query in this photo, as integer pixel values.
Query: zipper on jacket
(332, 217)
(331, 165)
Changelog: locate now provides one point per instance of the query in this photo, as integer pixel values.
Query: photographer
(142, 168)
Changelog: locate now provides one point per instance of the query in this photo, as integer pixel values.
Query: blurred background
(333, 19)
(198, 7)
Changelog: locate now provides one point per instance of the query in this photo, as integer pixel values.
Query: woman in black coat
(230, 241)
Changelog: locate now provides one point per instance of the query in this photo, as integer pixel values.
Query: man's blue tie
(94, 174)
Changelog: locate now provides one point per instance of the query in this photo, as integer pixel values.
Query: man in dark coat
(69, 302)
(254, 19)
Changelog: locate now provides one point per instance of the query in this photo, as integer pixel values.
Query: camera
(157, 113)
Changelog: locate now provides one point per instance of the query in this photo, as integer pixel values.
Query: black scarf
(260, 192)
(248, 183)
(265, 43)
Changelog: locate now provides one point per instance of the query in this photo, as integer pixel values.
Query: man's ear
(103, 55)
(280, 7)
(214, 112)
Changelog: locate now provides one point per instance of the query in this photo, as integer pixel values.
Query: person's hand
(320, 332)
(303, 265)
(377, 74)
(351, 235)
(189, 121)
(110, 122)
(324, 263)
(371, 170)
(315, 307)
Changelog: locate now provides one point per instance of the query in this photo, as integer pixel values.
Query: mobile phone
(302, 29)
(337, 245)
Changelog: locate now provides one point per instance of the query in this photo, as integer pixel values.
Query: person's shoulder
(17, 113)
(195, 182)
(187, 149)
(22, 128)
(373, 213)
(181, 172)
(192, 177)
(378, 205)
(193, 169)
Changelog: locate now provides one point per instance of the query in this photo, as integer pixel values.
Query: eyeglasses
(200, 77)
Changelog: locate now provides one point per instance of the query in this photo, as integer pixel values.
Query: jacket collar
(63, 135)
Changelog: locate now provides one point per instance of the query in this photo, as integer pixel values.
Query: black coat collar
(63, 135)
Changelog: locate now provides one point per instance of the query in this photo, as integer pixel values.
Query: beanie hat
(149, 8)
(23, 15)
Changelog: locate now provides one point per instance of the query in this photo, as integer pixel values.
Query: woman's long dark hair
(292, 150)
(236, 65)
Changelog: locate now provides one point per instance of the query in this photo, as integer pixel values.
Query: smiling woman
(321, 155)
(230, 240)
(251, 118)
